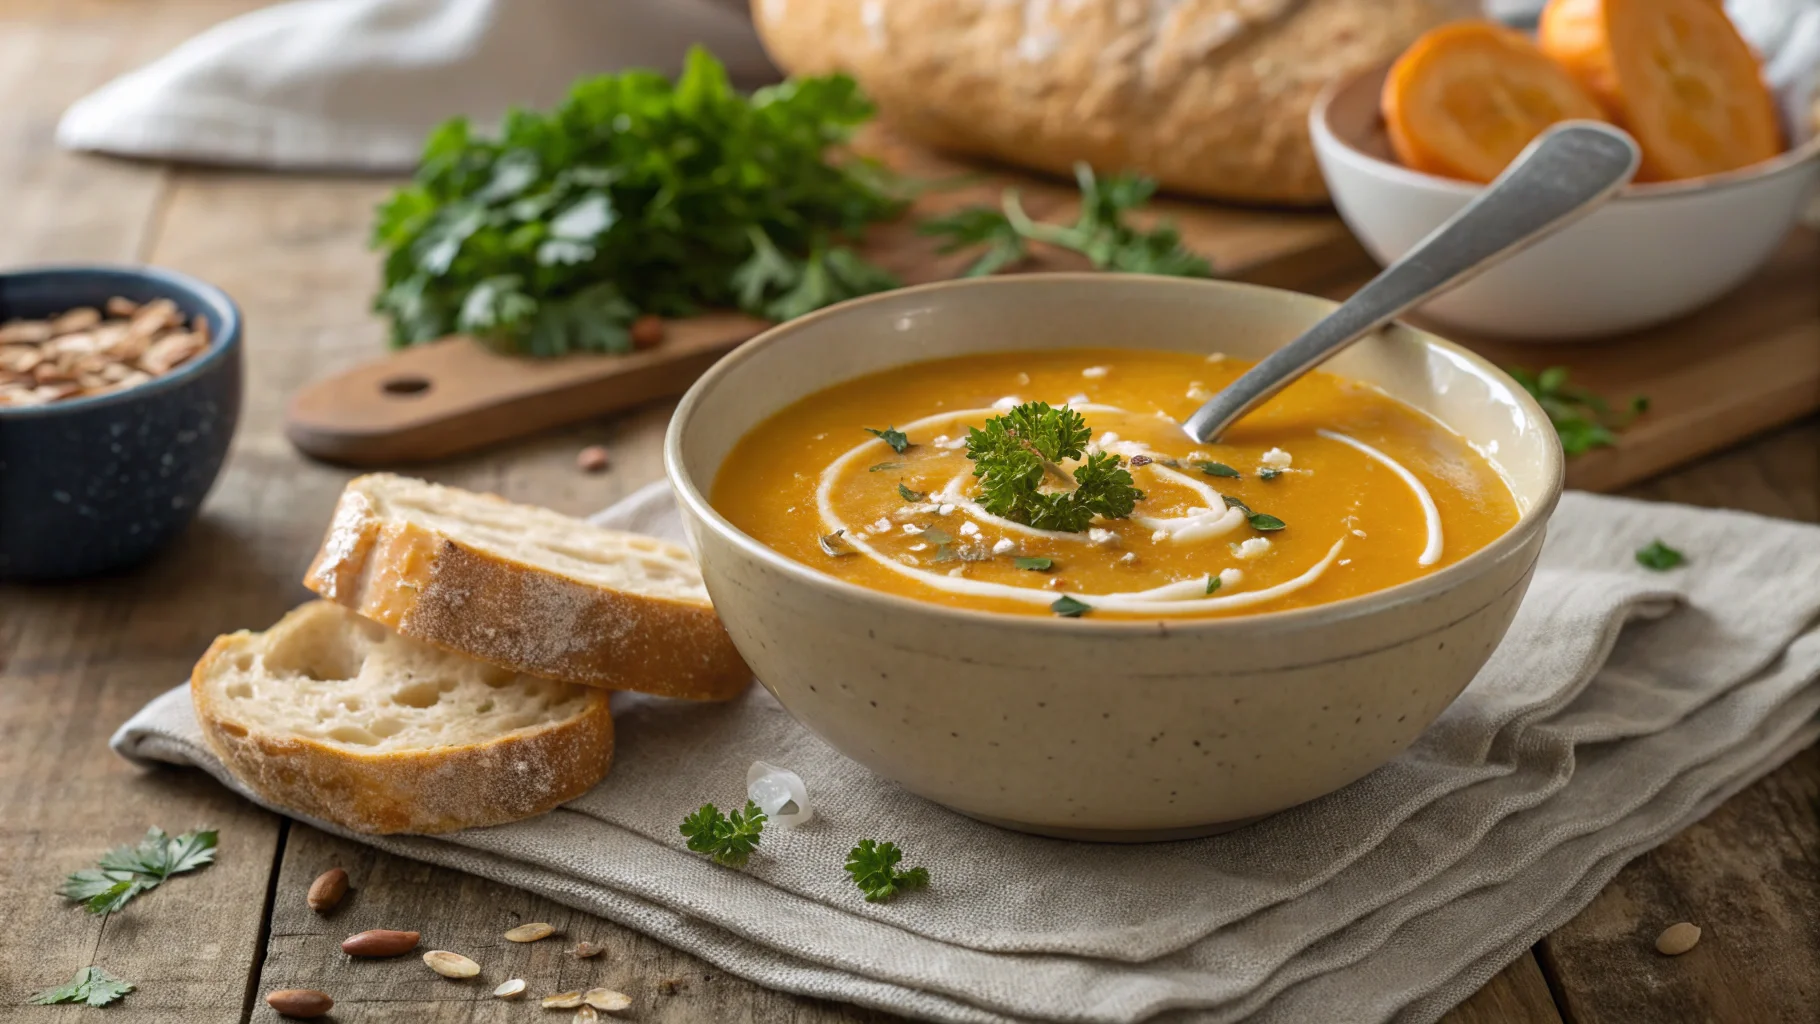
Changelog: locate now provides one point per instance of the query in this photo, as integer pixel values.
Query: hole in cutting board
(405, 386)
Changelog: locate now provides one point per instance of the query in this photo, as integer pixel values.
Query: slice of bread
(527, 588)
(338, 718)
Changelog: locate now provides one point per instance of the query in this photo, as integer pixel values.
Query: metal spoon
(1562, 176)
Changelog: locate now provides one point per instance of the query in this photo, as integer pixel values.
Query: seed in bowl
(83, 352)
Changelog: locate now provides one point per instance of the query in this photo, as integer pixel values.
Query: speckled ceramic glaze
(1107, 729)
(97, 484)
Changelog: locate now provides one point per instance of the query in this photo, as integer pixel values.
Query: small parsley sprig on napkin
(127, 871)
(1099, 232)
(1659, 556)
(873, 866)
(91, 986)
(728, 838)
(634, 195)
(1013, 452)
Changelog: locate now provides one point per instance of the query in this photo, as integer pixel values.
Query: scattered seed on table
(530, 932)
(510, 989)
(584, 950)
(606, 999)
(562, 1001)
(593, 459)
(1677, 939)
(450, 965)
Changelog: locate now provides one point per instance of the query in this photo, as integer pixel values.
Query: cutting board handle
(455, 395)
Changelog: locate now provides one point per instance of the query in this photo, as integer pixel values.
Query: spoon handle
(1562, 175)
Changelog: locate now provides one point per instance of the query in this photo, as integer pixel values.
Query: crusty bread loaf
(336, 717)
(527, 588)
(1210, 97)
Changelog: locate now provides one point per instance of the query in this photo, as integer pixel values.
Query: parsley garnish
(127, 871)
(1659, 556)
(1069, 608)
(1012, 453)
(91, 985)
(1217, 469)
(874, 869)
(1213, 583)
(909, 495)
(893, 437)
(729, 839)
(1584, 420)
(634, 195)
(1260, 521)
(1035, 564)
(1099, 233)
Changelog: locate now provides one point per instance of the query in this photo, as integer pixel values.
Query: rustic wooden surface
(76, 660)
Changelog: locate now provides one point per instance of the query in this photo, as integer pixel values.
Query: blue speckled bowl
(90, 485)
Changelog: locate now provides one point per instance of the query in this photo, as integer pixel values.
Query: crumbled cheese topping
(1004, 546)
(1095, 372)
(1252, 547)
(1277, 458)
(1159, 536)
(1008, 402)
(1104, 538)
(945, 508)
(968, 528)
(1077, 400)
(912, 529)
(883, 525)
(919, 546)
(1198, 391)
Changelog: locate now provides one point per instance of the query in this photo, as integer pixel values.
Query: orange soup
(948, 482)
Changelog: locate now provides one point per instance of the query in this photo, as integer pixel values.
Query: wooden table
(77, 659)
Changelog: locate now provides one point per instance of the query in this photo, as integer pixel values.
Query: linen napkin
(1623, 705)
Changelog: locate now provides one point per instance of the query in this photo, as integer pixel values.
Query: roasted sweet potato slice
(1465, 99)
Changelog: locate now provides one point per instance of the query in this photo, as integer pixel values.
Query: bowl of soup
(959, 533)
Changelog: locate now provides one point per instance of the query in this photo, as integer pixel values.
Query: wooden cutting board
(1748, 363)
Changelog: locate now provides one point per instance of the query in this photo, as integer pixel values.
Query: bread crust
(431, 587)
(417, 791)
(1210, 97)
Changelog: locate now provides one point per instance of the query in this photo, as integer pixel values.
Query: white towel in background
(357, 84)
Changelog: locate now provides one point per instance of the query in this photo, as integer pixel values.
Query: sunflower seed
(584, 950)
(606, 999)
(513, 989)
(562, 1001)
(450, 965)
(530, 932)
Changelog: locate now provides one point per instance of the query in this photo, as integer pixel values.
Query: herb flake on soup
(1060, 483)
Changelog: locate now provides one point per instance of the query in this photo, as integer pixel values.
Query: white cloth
(1623, 705)
(357, 84)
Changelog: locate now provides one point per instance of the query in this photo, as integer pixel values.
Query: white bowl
(1654, 252)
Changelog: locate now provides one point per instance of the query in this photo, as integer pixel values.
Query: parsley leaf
(893, 437)
(729, 838)
(91, 986)
(1659, 556)
(1217, 469)
(1069, 608)
(127, 871)
(1035, 564)
(1099, 232)
(1012, 454)
(1213, 583)
(1583, 419)
(635, 194)
(873, 866)
(909, 495)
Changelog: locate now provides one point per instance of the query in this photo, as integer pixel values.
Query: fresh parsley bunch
(873, 866)
(728, 838)
(91, 986)
(1012, 453)
(634, 195)
(1099, 233)
(127, 871)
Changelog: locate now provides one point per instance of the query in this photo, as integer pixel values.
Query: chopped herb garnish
(1583, 419)
(909, 495)
(873, 866)
(730, 838)
(127, 871)
(1269, 474)
(1659, 556)
(1036, 564)
(835, 544)
(1260, 521)
(1013, 452)
(883, 466)
(1099, 233)
(1213, 583)
(1217, 469)
(1069, 608)
(91, 986)
(891, 436)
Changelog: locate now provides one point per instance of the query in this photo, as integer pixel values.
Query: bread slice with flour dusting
(527, 588)
(336, 717)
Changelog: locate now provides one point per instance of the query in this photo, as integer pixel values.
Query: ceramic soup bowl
(1103, 729)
